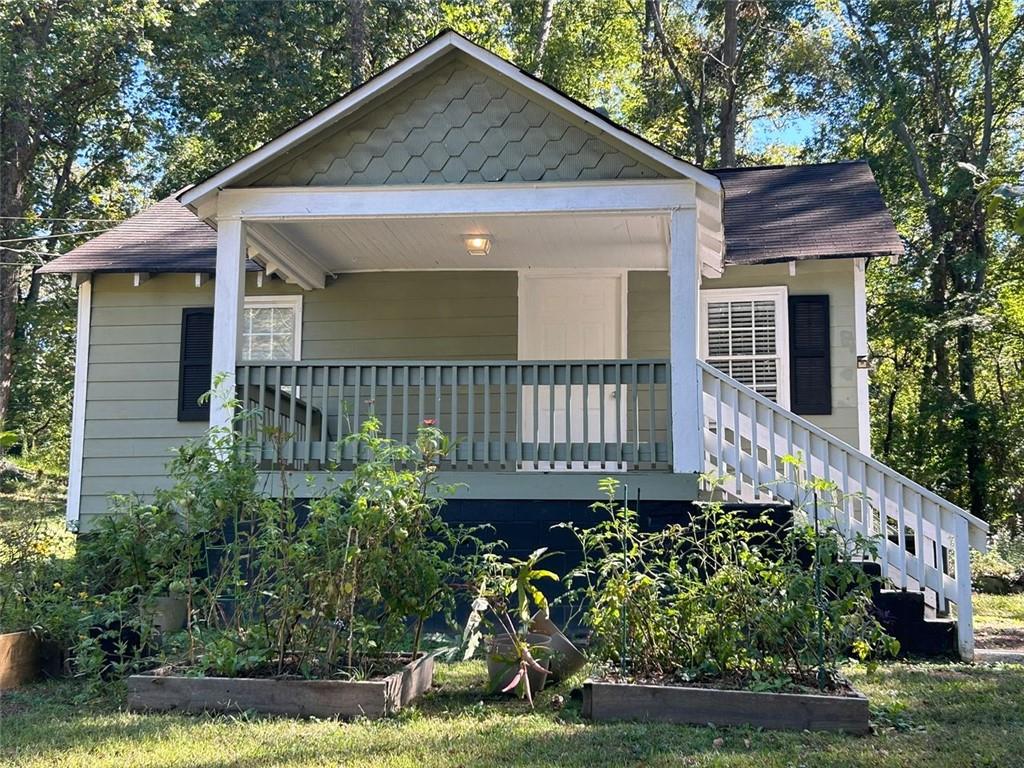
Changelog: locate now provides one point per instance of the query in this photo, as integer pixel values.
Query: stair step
(899, 606)
(930, 637)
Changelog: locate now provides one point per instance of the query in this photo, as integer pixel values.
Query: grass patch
(917, 709)
(999, 611)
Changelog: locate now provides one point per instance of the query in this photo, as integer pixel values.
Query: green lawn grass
(926, 714)
(998, 611)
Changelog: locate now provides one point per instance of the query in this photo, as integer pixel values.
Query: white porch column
(687, 419)
(228, 296)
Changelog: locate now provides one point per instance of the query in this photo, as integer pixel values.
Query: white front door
(576, 315)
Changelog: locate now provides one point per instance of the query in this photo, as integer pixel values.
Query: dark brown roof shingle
(780, 213)
(784, 213)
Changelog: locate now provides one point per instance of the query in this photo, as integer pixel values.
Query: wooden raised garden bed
(160, 691)
(704, 706)
(19, 659)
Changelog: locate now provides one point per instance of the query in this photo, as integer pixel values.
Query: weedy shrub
(725, 597)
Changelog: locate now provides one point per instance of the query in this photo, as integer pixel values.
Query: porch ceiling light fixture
(477, 245)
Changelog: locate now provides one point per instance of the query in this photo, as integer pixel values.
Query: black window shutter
(196, 367)
(810, 363)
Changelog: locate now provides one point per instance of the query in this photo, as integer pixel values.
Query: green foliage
(724, 597)
(1000, 570)
(506, 596)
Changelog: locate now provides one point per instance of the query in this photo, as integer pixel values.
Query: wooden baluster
(536, 417)
(919, 543)
(309, 415)
(772, 456)
(567, 369)
(650, 415)
(357, 394)
(404, 375)
(738, 451)
(278, 424)
(261, 437)
(421, 391)
(883, 522)
(487, 416)
(292, 396)
(586, 415)
(619, 409)
(603, 437)
(455, 415)
(755, 442)
(551, 416)
(335, 450)
(720, 469)
(901, 534)
(323, 416)
(503, 407)
(471, 408)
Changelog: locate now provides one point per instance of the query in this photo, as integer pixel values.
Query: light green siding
(648, 322)
(457, 124)
(131, 421)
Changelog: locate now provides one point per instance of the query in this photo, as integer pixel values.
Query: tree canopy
(108, 104)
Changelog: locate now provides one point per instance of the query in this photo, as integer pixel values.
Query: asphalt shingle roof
(781, 213)
(786, 213)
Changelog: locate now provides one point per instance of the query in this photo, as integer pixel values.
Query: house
(456, 240)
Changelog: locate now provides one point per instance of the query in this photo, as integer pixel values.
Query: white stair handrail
(747, 435)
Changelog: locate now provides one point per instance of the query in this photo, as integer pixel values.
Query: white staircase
(923, 540)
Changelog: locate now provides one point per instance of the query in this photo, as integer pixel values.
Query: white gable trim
(415, 62)
(82, 329)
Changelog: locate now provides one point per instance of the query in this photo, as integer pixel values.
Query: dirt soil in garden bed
(806, 684)
(372, 669)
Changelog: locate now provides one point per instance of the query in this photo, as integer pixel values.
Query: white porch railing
(923, 540)
(611, 415)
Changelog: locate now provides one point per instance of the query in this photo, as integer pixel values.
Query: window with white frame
(745, 334)
(272, 328)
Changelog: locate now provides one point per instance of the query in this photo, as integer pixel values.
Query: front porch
(565, 399)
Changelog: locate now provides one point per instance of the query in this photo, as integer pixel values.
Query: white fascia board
(310, 203)
(415, 62)
(78, 404)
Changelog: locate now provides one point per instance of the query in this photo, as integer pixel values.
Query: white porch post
(687, 418)
(228, 296)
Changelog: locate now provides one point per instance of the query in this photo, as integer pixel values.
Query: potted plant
(507, 597)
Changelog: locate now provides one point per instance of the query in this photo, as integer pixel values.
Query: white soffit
(518, 242)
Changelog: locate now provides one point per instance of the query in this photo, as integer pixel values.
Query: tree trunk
(356, 42)
(543, 32)
(727, 119)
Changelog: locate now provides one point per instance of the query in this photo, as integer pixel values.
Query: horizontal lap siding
(131, 421)
(131, 409)
(835, 278)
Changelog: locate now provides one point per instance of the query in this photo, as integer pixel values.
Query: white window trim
(287, 302)
(777, 293)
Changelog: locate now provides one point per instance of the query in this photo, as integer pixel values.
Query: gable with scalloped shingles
(457, 125)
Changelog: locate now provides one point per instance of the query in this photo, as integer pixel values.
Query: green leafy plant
(727, 597)
(506, 597)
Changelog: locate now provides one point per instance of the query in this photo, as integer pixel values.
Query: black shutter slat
(810, 359)
(196, 368)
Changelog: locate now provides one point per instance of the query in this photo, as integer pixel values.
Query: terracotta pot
(565, 657)
(19, 659)
(503, 663)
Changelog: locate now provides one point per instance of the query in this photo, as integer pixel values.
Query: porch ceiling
(636, 241)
